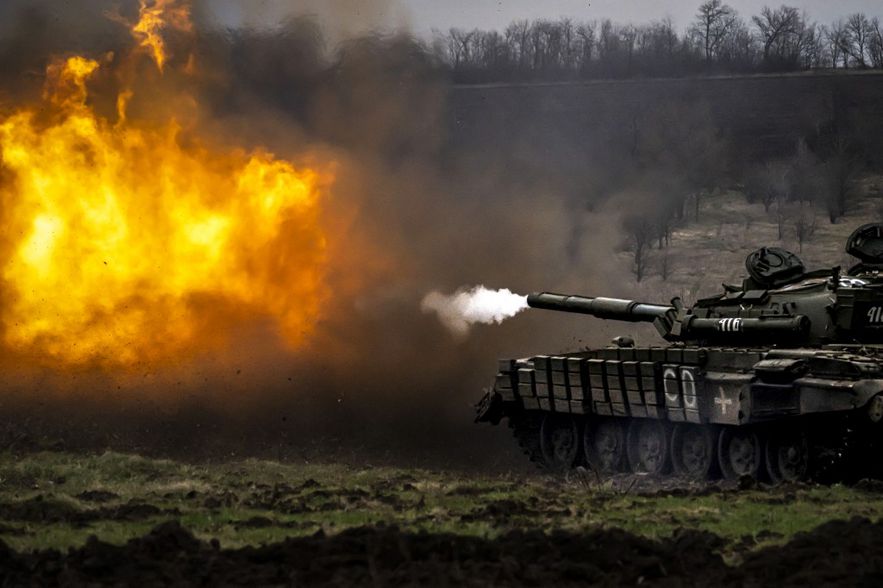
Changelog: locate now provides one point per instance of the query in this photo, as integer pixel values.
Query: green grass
(254, 502)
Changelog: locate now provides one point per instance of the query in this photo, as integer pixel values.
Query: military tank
(779, 378)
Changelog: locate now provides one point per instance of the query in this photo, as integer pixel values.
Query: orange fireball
(121, 243)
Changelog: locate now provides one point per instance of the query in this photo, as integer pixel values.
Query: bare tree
(805, 221)
(738, 49)
(805, 182)
(663, 225)
(517, 37)
(713, 23)
(776, 27)
(639, 231)
(836, 40)
(658, 45)
(875, 44)
(841, 170)
(665, 31)
(629, 37)
(568, 54)
(858, 36)
(609, 50)
(664, 266)
(780, 208)
(492, 53)
(784, 34)
(459, 46)
(685, 142)
(767, 184)
(813, 48)
(782, 39)
(586, 35)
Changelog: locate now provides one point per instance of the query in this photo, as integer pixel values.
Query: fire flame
(122, 243)
(155, 16)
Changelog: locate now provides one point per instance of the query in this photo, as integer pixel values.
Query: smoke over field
(218, 240)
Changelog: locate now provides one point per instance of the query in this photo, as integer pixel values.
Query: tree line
(822, 178)
(678, 158)
(718, 41)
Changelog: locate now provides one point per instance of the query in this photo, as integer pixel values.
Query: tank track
(835, 454)
(845, 452)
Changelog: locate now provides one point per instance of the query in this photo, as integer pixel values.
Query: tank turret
(780, 377)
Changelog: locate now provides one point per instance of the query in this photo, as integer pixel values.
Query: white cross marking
(723, 401)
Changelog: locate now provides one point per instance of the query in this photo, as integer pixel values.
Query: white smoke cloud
(466, 307)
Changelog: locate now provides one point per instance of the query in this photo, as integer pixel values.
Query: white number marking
(730, 325)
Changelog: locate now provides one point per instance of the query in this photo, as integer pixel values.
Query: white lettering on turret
(875, 315)
(730, 325)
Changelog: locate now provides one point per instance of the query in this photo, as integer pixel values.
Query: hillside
(762, 116)
(704, 254)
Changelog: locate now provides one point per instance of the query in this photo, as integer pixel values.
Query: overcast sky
(421, 16)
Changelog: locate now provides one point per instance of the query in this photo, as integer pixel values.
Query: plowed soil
(837, 553)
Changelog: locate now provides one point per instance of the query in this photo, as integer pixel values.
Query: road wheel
(739, 452)
(787, 456)
(693, 450)
(604, 443)
(526, 429)
(559, 442)
(648, 446)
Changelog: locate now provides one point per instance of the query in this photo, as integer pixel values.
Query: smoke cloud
(466, 307)
(427, 193)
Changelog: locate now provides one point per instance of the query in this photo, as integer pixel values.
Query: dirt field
(76, 519)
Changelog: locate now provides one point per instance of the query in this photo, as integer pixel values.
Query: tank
(779, 379)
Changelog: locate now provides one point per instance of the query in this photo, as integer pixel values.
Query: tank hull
(694, 410)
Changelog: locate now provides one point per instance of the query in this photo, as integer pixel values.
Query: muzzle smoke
(466, 307)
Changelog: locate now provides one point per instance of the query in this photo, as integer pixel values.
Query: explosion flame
(122, 242)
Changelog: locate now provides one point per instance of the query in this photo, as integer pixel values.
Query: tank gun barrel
(673, 323)
(605, 308)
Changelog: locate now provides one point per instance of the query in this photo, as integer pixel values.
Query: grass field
(57, 500)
